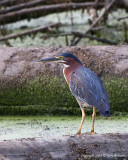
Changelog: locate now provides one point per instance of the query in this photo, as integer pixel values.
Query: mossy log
(27, 86)
(22, 62)
(105, 146)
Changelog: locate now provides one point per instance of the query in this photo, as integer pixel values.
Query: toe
(78, 133)
(92, 133)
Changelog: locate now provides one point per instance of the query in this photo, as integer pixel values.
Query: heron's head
(67, 59)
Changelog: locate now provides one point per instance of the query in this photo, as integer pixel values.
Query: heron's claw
(92, 133)
(89, 133)
(78, 133)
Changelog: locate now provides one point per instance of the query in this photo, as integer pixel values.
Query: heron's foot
(92, 133)
(89, 133)
(86, 133)
(78, 133)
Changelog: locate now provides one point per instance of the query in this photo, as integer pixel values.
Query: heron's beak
(49, 60)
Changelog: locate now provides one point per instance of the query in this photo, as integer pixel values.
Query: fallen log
(20, 74)
(35, 30)
(104, 146)
(21, 62)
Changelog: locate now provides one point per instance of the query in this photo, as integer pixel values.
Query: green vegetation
(117, 89)
(51, 95)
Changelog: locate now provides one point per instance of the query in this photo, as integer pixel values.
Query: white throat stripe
(66, 66)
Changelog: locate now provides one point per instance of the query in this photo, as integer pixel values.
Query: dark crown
(71, 56)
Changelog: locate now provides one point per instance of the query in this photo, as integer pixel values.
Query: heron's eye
(61, 57)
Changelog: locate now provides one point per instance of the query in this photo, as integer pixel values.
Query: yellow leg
(82, 121)
(93, 120)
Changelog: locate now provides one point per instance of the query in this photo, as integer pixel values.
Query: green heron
(84, 85)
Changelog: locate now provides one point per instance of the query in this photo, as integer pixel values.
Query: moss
(117, 89)
(51, 95)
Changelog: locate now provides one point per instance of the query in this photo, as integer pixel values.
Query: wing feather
(87, 87)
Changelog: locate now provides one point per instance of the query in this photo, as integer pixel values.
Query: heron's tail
(105, 114)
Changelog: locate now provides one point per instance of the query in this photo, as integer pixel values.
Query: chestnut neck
(67, 71)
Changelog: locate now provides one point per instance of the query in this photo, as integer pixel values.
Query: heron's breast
(67, 73)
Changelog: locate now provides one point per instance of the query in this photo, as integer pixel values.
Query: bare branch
(43, 10)
(103, 40)
(80, 34)
(21, 6)
(121, 18)
(95, 22)
(35, 30)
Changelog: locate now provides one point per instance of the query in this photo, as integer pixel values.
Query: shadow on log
(104, 146)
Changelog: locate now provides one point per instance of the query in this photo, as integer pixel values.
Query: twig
(96, 1)
(35, 30)
(103, 40)
(4, 2)
(95, 22)
(83, 35)
(121, 18)
(7, 3)
(97, 28)
(21, 6)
